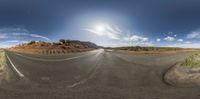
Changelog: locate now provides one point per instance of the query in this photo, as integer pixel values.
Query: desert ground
(97, 74)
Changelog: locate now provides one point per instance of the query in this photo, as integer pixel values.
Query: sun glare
(100, 28)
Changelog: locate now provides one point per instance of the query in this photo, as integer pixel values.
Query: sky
(165, 23)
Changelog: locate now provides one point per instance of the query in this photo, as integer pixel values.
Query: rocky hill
(61, 47)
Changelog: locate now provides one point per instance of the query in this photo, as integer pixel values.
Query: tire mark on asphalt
(145, 66)
(90, 74)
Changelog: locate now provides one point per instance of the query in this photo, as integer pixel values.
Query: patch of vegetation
(192, 61)
(2, 60)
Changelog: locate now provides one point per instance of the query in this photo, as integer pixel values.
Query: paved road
(96, 74)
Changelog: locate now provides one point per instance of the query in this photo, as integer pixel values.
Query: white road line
(18, 72)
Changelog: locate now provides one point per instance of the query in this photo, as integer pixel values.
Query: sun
(100, 28)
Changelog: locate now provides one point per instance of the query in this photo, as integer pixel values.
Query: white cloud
(194, 34)
(186, 45)
(118, 35)
(11, 33)
(121, 44)
(180, 40)
(169, 33)
(175, 35)
(169, 38)
(31, 35)
(139, 38)
(106, 30)
(13, 41)
(135, 38)
(9, 43)
(13, 36)
(11, 30)
(187, 42)
(2, 36)
(158, 39)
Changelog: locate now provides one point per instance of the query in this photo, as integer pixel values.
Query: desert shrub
(146, 49)
(31, 42)
(2, 60)
(192, 61)
(62, 41)
(57, 44)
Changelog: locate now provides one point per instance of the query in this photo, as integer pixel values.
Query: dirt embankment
(183, 76)
(185, 73)
(61, 47)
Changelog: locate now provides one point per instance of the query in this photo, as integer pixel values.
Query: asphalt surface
(96, 74)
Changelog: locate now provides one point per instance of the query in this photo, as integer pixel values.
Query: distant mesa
(61, 47)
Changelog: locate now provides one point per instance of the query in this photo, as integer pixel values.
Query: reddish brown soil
(61, 47)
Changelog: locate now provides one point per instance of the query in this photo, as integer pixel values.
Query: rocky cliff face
(61, 47)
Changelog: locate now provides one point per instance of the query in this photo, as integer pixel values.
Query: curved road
(96, 74)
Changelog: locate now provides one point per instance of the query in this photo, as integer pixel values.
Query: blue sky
(169, 23)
